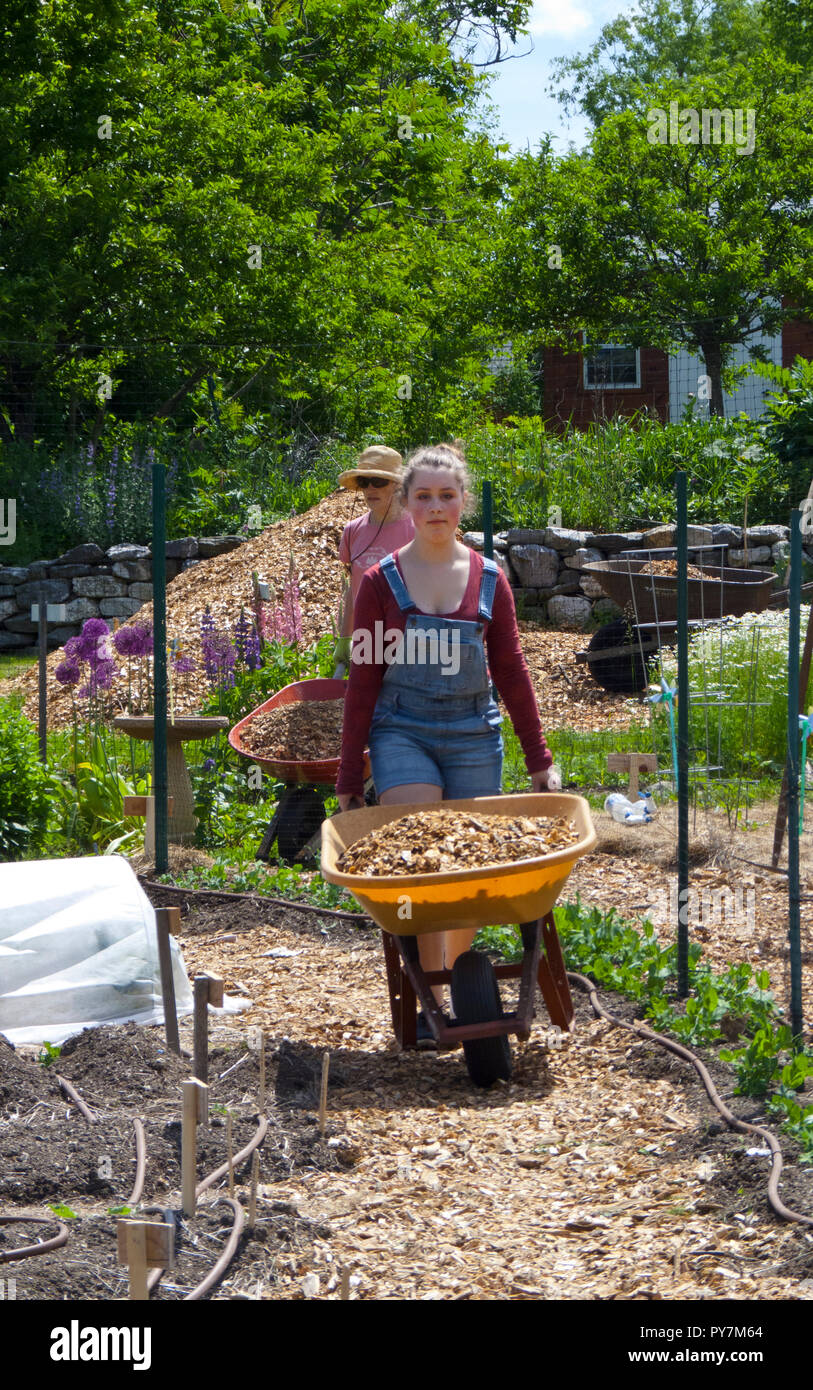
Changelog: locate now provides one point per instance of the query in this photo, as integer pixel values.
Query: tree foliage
(698, 244)
(289, 202)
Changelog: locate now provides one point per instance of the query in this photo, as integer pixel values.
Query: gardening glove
(341, 656)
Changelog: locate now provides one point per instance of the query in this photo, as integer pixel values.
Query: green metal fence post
(488, 522)
(682, 739)
(159, 620)
(794, 938)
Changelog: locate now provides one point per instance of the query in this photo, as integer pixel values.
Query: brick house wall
(565, 396)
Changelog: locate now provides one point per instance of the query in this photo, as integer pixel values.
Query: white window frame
(611, 386)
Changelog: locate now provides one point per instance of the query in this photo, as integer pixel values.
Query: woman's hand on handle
(547, 781)
(350, 803)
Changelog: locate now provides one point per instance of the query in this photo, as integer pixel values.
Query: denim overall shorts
(435, 719)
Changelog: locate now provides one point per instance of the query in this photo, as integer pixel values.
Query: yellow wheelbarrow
(523, 891)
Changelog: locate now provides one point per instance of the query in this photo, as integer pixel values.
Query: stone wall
(545, 567)
(91, 583)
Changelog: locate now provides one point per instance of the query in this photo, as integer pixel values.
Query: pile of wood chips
(303, 732)
(433, 842)
(669, 568)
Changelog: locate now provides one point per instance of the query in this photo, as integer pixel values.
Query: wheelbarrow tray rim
(315, 770)
(729, 574)
(347, 827)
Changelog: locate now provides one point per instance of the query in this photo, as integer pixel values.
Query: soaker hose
(642, 1031)
(74, 1095)
(225, 1259)
(140, 1138)
(141, 1163)
(42, 1247)
(256, 898)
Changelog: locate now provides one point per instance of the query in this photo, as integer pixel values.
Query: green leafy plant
(26, 786)
(62, 1211)
(48, 1054)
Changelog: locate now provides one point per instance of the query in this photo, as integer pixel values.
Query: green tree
(286, 203)
(662, 41)
(694, 244)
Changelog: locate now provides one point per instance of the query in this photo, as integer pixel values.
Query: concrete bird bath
(185, 729)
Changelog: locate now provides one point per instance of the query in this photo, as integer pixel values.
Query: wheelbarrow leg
(402, 995)
(553, 977)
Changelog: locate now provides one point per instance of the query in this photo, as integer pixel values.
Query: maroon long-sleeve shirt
(376, 604)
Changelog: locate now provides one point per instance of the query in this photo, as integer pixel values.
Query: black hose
(642, 1031)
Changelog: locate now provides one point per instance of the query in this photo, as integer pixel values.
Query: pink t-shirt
(365, 543)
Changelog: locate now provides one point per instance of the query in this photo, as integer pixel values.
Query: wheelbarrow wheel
(626, 673)
(301, 814)
(476, 999)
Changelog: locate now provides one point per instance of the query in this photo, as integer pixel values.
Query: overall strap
(488, 588)
(389, 569)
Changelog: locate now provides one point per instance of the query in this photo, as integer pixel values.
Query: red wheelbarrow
(406, 906)
(301, 808)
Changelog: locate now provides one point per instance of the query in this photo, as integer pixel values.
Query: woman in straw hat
(425, 704)
(382, 529)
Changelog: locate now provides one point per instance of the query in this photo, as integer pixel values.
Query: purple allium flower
(101, 678)
(92, 640)
(135, 640)
(67, 672)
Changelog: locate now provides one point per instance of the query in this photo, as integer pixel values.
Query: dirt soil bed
(599, 1171)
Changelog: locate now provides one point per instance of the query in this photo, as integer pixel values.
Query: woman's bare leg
(430, 946)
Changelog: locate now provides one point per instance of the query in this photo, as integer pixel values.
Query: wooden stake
(252, 1196)
(229, 1153)
(323, 1092)
(144, 1245)
(136, 1238)
(633, 763)
(208, 990)
(167, 921)
(195, 1109)
(344, 1285)
(261, 1100)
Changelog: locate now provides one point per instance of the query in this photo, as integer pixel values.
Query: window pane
(612, 366)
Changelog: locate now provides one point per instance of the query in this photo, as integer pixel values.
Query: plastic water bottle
(627, 812)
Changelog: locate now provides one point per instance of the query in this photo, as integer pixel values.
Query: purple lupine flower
(241, 636)
(111, 491)
(293, 609)
(253, 656)
(218, 660)
(209, 765)
(182, 665)
(67, 672)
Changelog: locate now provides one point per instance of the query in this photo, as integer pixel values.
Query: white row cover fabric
(78, 947)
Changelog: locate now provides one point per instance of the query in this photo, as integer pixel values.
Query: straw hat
(376, 462)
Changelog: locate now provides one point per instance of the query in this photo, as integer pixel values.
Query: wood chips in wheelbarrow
(670, 569)
(307, 731)
(430, 842)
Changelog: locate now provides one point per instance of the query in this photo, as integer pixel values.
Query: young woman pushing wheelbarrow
(434, 624)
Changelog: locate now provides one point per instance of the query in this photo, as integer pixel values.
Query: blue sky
(558, 28)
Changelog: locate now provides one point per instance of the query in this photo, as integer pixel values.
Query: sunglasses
(371, 482)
